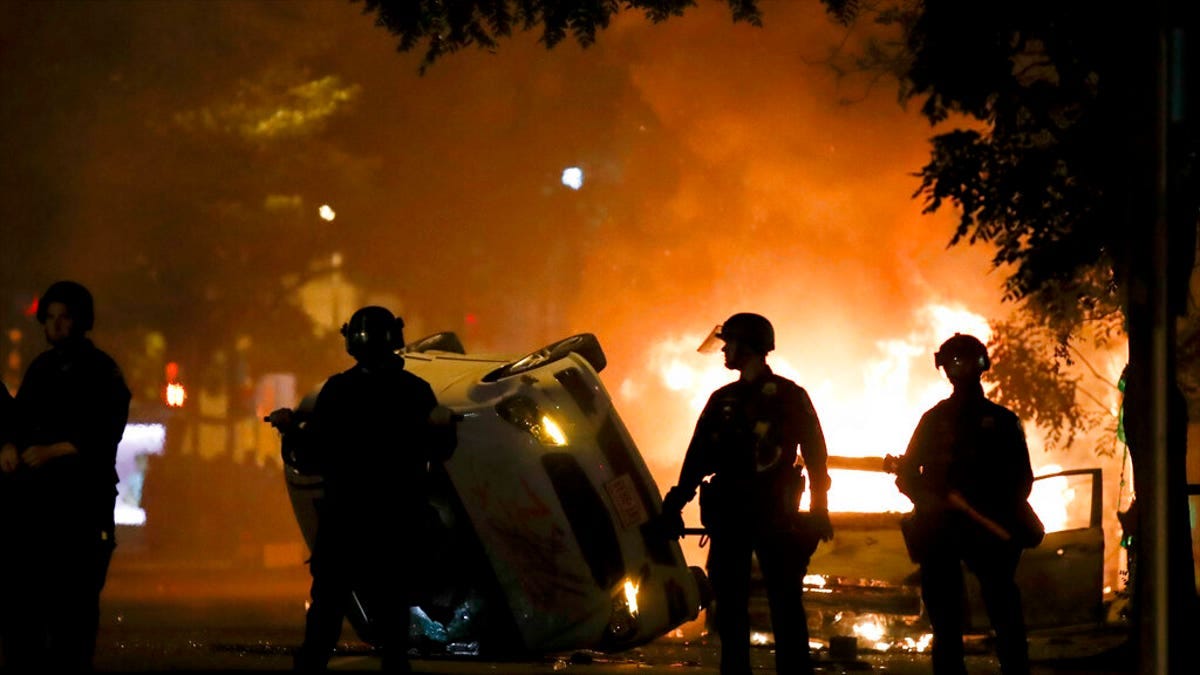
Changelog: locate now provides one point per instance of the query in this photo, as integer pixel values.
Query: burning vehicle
(545, 542)
(862, 584)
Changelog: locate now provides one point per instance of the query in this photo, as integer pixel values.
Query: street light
(572, 177)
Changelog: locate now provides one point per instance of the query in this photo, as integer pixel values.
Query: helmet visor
(712, 343)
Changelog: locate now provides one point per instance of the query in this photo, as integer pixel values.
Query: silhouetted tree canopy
(443, 27)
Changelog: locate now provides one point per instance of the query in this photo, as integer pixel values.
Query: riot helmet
(373, 331)
(77, 299)
(752, 331)
(961, 355)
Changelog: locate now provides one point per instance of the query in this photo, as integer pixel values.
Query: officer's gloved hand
(282, 419)
(670, 524)
(822, 527)
(819, 510)
(670, 521)
(9, 458)
(442, 416)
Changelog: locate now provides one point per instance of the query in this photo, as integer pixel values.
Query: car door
(1062, 579)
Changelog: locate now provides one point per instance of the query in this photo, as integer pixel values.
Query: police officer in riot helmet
(743, 459)
(968, 475)
(10, 461)
(372, 433)
(71, 409)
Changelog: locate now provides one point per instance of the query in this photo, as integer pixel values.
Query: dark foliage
(445, 26)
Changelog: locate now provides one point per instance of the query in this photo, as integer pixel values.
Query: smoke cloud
(173, 156)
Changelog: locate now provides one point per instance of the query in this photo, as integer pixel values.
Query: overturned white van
(546, 505)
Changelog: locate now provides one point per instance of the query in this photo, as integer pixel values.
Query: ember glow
(814, 580)
(554, 433)
(921, 644)
(872, 630)
(631, 593)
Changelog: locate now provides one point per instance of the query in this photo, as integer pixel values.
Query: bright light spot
(870, 629)
(1051, 497)
(143, 439)
(921, 644)
(553, 431)
(572, 177)
(631, 591)
(176, 395)
(137, 441)
(677, 376)
(949, 320)
(814, 580)
(327, 212)
(124, 514)
(759, 638)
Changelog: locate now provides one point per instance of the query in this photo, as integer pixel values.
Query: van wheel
(584, 344)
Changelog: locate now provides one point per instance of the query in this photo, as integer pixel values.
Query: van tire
(584, 344)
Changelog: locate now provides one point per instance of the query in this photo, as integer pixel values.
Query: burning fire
(871, 412)
(896, 388)
(1051, 498)
(868, 409)
(872, 630)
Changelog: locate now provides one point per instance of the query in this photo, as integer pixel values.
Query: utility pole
(1163, 255)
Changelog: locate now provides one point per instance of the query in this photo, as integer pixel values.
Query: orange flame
(872, 416)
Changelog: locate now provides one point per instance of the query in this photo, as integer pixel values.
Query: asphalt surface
(185, 617)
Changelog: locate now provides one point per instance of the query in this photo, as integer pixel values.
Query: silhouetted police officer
(746, 440)
(72, 406)
(9, 461)
(373, 431)
(967, 472)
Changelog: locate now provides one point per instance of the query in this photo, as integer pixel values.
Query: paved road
(213, 619)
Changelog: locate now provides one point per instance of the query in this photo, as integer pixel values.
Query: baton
(959, 502)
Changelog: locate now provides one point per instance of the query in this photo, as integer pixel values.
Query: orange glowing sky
(723, 173)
